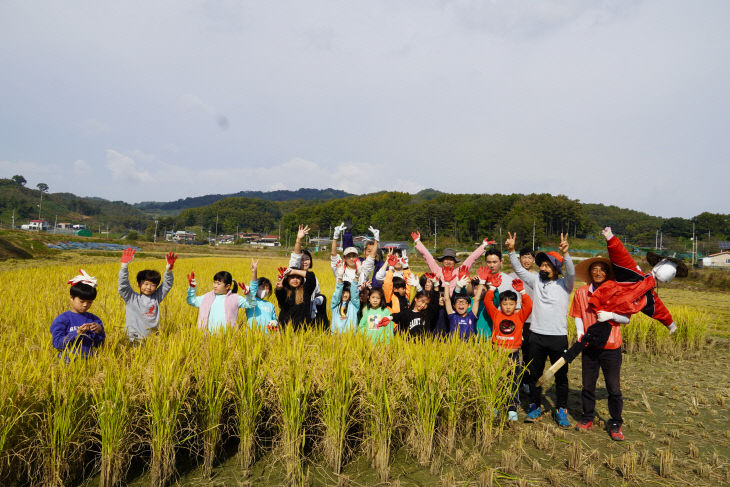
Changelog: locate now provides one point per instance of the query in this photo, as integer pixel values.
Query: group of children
(378, 295)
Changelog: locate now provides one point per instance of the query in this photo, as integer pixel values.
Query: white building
(721, 259)
(35, 225)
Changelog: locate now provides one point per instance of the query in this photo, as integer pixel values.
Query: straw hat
(583, 269)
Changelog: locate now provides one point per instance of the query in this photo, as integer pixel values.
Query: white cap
(351, 250)
(665, 270)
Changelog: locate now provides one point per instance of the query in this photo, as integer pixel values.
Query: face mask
(261, 293)
(544, 276)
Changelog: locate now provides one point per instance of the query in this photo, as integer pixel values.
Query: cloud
(80, 166)
(124, 168)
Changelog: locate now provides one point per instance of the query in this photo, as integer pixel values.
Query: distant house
(724, 245)
(721, 259)
(267, 241)
(35, 225)
(79, 226)
(403, 246)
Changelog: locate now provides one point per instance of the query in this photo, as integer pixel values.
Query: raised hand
(338, 230)
(484, 274)
(463, 272)
(127, 255)
(412, 281)
(510, 242)
(340, 271)
(430, 275)
(191, 280)
(254, 265)
(243, 287)
(496, 280)
(448, 273)
(607, 233)
(392, 258)
(486, 242)
(302, 232)
(563, 245)
(375, 232)
(170, 257)
(416, 236)
(518, 285)
(282, 271)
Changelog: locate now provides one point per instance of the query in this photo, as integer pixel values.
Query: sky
(621, 102)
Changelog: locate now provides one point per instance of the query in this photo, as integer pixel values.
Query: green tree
(19, 180)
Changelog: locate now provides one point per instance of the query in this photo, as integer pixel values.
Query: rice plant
(246, 367)
(457, 389)
(493, 376)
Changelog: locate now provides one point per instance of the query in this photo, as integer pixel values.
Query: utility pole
(434, 233)
(12, 225)
(533, 235)
(661, 240)
(694, 244)
(500, 239)
(216, 229)
(656, 240)
(55, 224)
(156, 223)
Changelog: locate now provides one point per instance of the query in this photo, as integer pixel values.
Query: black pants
(610, 362)
(526, 352)
(541, 348)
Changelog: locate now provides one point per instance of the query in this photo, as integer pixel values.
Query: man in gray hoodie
(143, 308)
(549, 325)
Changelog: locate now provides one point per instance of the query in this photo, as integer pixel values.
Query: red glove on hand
(463, 271)
(127, 255)
(430, 275)
(496, 280)
(244, 289)
(518, 285)
(484, 274)
(171, 257)
(384, 321)
(281, 270)
(392, 260)
(486, 242)
(191, 280)
(416, 236)
(448, 273)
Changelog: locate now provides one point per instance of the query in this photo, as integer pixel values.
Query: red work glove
(171, 257)
(486, 242)
(463, 271)
(496, 280)
(448, 273)
(430, 275)
(518, 285)
(484, 274)
(244, 289)
(127, 255)
(392, 260)
(191, 280)
(281, 270)
(384, 321)
(416, 236)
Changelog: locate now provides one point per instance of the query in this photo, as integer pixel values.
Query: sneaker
(584, 425)
(616, 433)
(533, 413)
(512, 415)
(561, 417)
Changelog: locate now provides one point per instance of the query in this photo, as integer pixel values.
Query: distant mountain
(308, 194)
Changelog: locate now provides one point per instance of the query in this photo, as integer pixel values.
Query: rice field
(299, 404)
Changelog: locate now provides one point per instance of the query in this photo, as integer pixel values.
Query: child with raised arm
(507, 329)
(447, 259)
(345, 304)
(219, 307)
(142, 310)
(78, 331)
(462, 320)
(262, 314)
(355, 271)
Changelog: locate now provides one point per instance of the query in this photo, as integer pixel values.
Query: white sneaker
(512, 415)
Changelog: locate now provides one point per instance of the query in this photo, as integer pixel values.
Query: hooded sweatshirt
(550, 298)
(349, 322)
(222, 309)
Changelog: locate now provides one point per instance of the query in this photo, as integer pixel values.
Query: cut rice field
(243, 407)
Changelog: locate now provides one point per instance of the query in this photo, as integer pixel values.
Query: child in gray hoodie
(143, 308)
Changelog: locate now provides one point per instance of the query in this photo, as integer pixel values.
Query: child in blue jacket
(262, 314)
(78, 331)
(345, 304)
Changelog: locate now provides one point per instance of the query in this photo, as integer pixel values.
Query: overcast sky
(616, 102)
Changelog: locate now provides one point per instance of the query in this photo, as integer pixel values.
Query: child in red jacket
(507, 328)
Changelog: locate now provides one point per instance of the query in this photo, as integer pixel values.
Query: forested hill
(456, 217)
(308, 194)
(66, 207)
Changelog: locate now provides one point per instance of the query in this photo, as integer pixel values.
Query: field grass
(243, 408)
